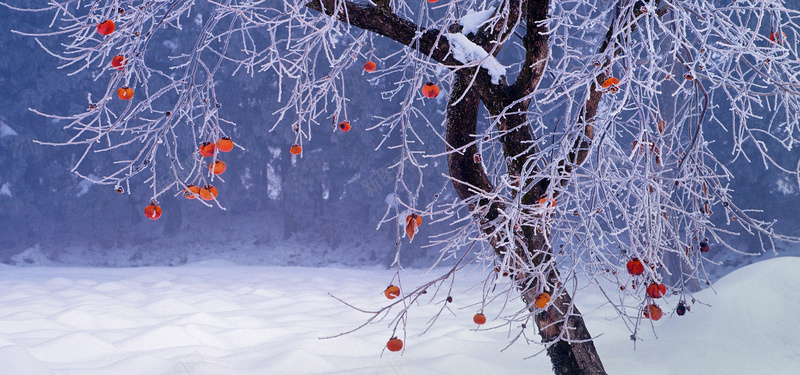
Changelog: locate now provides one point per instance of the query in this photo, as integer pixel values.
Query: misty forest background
(321, 209)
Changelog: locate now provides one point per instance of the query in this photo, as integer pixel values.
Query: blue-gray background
(327, 210)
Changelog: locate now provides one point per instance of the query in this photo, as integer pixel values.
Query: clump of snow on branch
(472, 21)
(467, 52)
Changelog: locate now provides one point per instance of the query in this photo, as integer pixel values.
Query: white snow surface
(465, 51)
(473, 20)
(218, 318)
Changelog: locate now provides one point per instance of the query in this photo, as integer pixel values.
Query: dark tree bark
(569, 343)
(570, 349)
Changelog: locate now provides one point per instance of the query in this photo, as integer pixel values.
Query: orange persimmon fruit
(417, 219)
(208, 192)
(479, 318)
(106, 27)
(656, 290)
(295, 149)
(610, 81)
(370, 66)
(412, 222)
(392, 291)
(777, 38)
(542, 300)
(430, 90)
(224, 144)
(207, 149)
(118, 62)
(191, 191)
(218, 167)
(653, 312)
(635, 267)
(152, 211)
(125, 93)
(394, 345)
(543, 201)
(344, 126)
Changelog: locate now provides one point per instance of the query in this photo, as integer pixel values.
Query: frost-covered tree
(575, 132)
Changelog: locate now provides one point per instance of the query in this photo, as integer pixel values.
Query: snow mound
(750, 325)
(217, 318)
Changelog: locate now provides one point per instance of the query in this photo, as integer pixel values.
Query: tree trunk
(569, 343)
(573, 357)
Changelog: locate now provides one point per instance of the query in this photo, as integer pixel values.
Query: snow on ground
(220, 318)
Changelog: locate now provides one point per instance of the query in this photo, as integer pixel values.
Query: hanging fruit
(542, 300)
(370, 66)
(344, 126)
(392, 292)
(224, 144)
(191, 191)
(295, 149)
(152, 211)
(479, 319)
(207, 149)
(106, 27)
(119, 190)
(653, 312)
(704, 246)
(125, 93)
(681, 309)
(655, 290)
(610, 81)
(412, 222)
(416, 218)
(543, 202)
(774, 37)
(430, 90)
(208, 192)
(218, 167)
(118, 62)
(635, 267)
(394, 345)
(411, 230)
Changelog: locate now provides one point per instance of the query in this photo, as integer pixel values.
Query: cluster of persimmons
(207, 192)
(207, 149)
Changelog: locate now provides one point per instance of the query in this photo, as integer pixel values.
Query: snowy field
(218, 318)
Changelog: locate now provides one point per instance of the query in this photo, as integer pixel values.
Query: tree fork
(570, 345)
